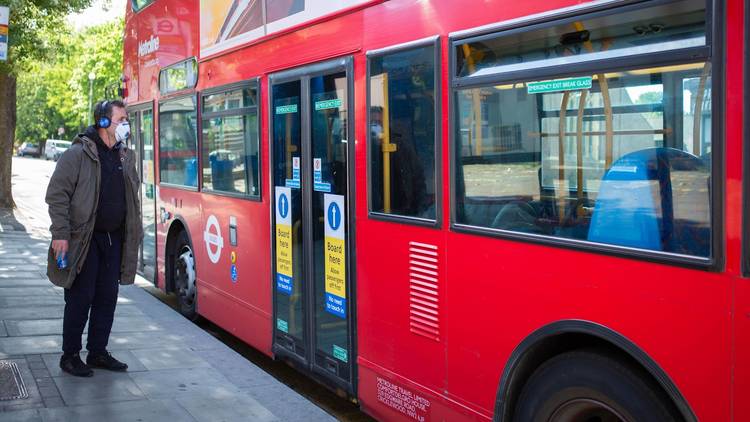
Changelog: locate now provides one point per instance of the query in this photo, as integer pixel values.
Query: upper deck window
(230, 100)
(657, 29)
(612, 152)
(140, 4)
(179, 76)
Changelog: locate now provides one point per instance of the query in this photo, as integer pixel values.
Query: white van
(54, 148)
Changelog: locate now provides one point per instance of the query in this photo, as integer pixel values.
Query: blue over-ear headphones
(102, 119)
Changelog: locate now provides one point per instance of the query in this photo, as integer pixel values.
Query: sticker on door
(335, 255)
(284, 269)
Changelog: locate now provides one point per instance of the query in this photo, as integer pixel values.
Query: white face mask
(376, 129)
(122, 133)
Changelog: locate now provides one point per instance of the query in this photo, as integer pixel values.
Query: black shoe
(73, 365)
(105, 361)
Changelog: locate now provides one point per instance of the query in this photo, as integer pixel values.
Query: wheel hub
(586, 410)
(185, 274)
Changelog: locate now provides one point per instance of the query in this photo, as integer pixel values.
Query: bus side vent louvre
(424, 300)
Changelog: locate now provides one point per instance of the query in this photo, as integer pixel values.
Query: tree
(650, 97)
(29, 19)
(101, 52)
(53, 93)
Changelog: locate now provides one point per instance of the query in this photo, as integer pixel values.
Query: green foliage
(54, 92)
(29, 21)
(650, 97)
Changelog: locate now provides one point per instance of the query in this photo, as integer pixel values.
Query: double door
(311, 125)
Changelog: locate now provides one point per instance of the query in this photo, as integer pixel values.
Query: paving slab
(235, 368)
(240, 408)
(286, 404)
(26, 291)
(15, 346)
(10, 261)
(171, 383)
(26, 301)
(20, 274)
(36, 327)
(51, 312)
(24, 282)
(169, 358)
(103, 387)
(29, 415)
(141, 411)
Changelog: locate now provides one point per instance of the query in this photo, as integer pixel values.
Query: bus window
(179, 76)
(402, 133)
(140, 4)
(178, 161)
(660, 28)
(623, 160)
(277, 10)
(231, 143)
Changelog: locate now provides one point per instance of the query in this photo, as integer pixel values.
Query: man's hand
(59, 246)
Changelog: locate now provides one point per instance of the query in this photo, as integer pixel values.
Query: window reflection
(140, 4)
(178, 162)
(402, 133)
(230, 151)
(230, 142)
(660, 28)
(624, 162)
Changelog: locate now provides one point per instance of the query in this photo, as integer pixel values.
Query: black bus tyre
(587, 386)
(183, 272)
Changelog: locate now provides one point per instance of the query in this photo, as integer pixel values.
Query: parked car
(54, 148)
(28, 148)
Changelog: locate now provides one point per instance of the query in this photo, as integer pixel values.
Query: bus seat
(517, 216)
(634, 207)
(191, 172)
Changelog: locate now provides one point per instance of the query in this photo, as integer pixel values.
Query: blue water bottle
(62, 261)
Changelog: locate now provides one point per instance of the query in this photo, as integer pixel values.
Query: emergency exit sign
(556, 85)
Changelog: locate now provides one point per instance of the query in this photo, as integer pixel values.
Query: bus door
(142, 143)
(310, 129)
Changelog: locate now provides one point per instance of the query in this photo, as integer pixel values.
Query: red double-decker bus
(458, 210)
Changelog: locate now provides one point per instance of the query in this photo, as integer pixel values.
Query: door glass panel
(148, 196)
(288, 288)
(328, 125)
(134, 141)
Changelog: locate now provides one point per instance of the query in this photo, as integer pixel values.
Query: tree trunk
(7, 135)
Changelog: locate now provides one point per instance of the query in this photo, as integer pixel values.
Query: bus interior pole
(387, 148)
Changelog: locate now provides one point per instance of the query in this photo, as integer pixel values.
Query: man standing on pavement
(96, 227)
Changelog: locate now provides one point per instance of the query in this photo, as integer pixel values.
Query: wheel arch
(563, 336)
(178, 225)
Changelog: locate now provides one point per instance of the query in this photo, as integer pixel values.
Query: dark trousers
(95, 290)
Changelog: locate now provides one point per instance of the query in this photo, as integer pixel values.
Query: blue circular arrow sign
(334, 216)
(283, 206)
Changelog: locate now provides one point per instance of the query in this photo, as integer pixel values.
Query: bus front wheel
(586, 386)
(183, 268)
